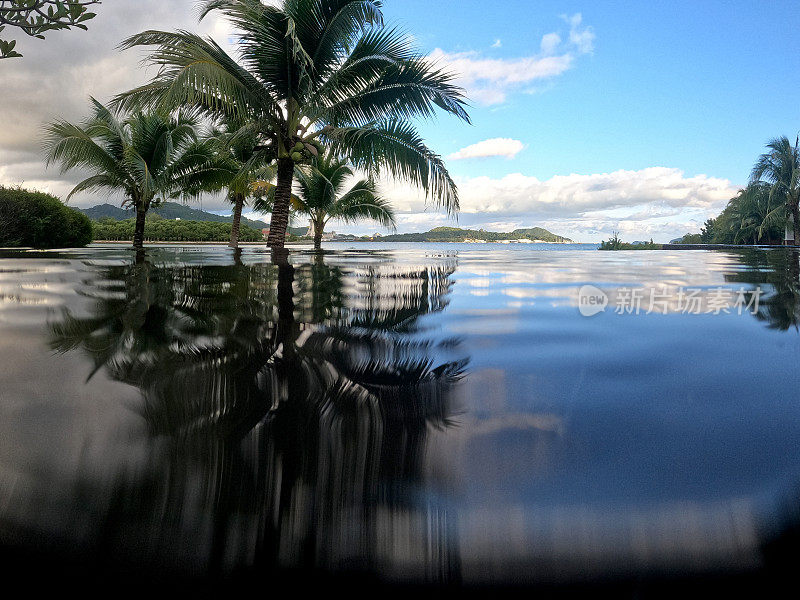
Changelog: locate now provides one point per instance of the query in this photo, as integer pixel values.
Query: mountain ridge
(456, 234)
(168, 210)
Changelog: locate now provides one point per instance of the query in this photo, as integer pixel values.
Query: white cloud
(657, 202)
(571, 194)
(56, 76)
(550, 43)
(497, 43)
(490, 80)
(580, 37)
(504, 147)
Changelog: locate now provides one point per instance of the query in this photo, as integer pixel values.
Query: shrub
(38, 220)
(615, 243)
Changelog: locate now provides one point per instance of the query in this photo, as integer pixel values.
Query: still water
(411, 414)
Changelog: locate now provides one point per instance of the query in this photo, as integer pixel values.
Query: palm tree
(780, 167)
(321, 196)
(756, 214)
(148, 156)
(311, 72)
(244, 167)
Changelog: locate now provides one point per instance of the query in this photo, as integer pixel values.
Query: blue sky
(695, 85)
(588, 116)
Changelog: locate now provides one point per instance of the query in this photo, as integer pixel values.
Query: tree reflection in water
(777, 273)
(287, 408)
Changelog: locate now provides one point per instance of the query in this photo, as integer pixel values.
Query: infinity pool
(415, 414)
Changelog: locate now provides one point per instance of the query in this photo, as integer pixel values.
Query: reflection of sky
(641, 418)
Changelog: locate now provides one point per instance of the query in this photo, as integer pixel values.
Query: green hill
(168, 210)
(454, 234)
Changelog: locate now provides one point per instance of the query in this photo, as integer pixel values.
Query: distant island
(481, 236)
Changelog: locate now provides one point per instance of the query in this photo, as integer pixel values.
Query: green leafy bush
(615, 243)
(692, 238)
(39, 220)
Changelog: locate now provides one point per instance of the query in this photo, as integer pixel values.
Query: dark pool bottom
(414, 419)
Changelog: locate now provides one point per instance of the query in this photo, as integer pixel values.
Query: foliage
(38, 220)
(692, 238)
(163, 230)
(616, 243)
(707, 231)
(243, 167)
(779, 168)
(754, 216)
(322, 196)
(760, 213)
(455, 234)
(37, 17)
(311, 72)
(149, 157)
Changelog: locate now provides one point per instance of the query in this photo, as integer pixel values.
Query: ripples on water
(417, 415)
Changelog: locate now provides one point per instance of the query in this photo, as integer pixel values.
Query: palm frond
(73, 147)
(396, 148)
(198, 73)
(102, 181)
(406, 91)
(336, 26)
(363, 202)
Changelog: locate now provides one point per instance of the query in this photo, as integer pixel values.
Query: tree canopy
(323, 195)
(147, 156)
(166, 230)
(311, 71)
(37, 17)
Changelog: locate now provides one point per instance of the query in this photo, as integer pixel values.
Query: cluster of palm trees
(319, 90)
(767, 211)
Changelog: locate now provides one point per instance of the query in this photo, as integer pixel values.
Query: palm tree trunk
(238, 204)
(796, 223)
(138, 233)
(280, 209)
(318, 229)
(793, 225)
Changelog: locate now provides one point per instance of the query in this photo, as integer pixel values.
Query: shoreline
(311, 242)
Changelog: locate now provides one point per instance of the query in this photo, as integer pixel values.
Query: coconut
(297, 157)
(298, 147)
